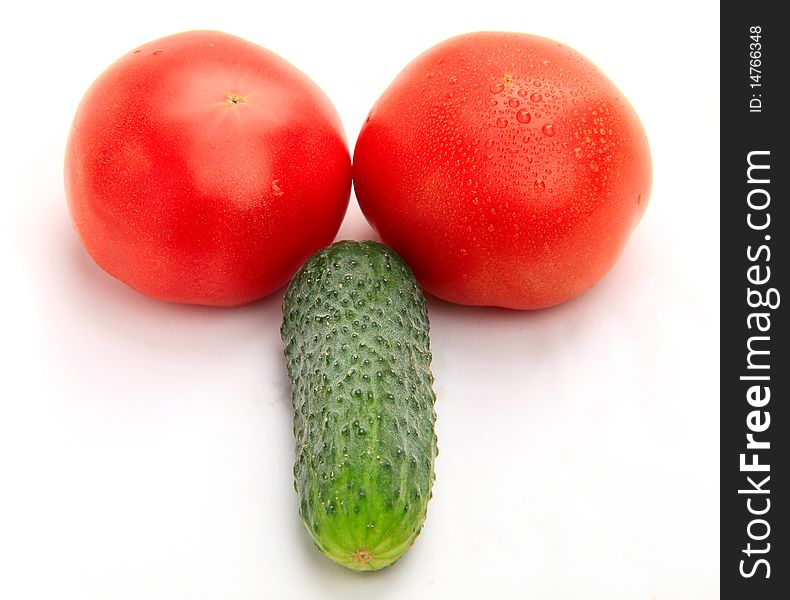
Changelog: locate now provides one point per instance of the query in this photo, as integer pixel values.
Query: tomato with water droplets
(202, 168)
(520, 190)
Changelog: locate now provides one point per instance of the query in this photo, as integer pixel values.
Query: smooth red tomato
(202, 168)
(505, 168)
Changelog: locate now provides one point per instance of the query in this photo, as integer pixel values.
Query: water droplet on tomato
(491, 102)
(536, 97)
(501, 122)
(157, 52)
(523, 116)
(497, 87)
(548, 130)
(513, 102)
(594, 167)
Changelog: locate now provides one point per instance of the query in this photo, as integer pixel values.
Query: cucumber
(355, 329)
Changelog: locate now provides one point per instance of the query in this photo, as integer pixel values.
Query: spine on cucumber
(355, 328)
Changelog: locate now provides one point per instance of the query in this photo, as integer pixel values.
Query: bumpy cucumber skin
(355, 328)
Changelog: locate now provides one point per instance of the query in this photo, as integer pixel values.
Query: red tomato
(505, 168)
(204, 169)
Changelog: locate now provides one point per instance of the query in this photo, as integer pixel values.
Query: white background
(146, 449)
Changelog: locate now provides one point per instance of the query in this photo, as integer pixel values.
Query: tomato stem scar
(362, 556)
(233, 99)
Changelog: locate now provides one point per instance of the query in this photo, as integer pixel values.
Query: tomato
(505, 168)
(202, 168)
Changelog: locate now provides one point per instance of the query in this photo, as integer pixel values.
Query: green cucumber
(355, 329)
